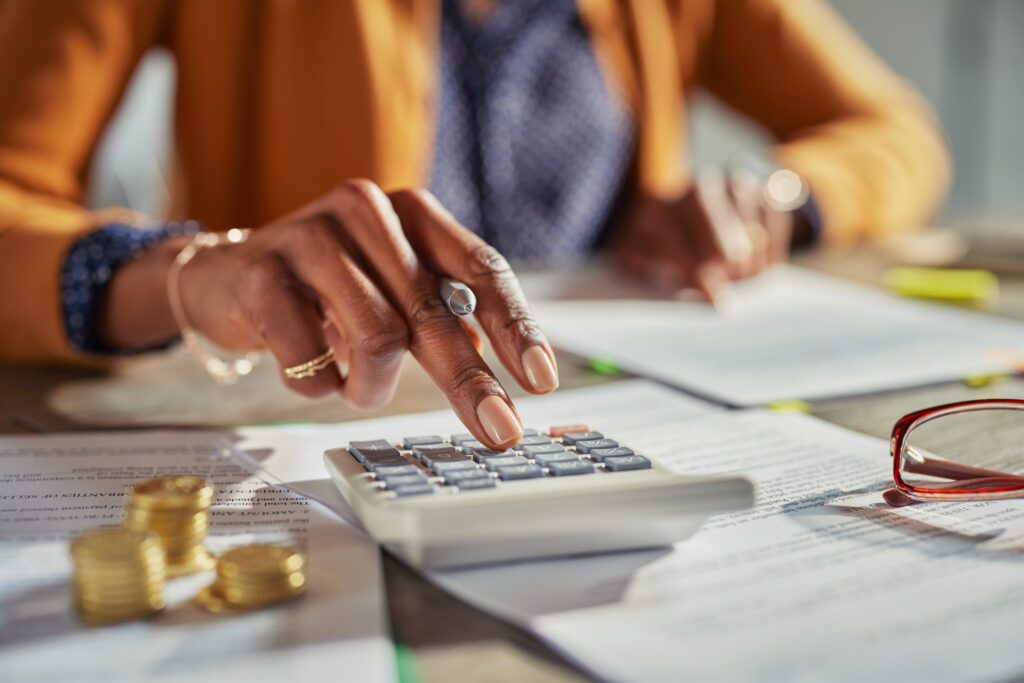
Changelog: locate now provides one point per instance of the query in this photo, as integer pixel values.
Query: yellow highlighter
(943, 283)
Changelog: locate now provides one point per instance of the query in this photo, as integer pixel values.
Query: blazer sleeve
(866, 142)
(64, 65)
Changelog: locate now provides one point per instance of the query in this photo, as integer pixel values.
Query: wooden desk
(450, 640)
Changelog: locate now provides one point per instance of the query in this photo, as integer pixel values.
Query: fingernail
(500, 423)
(540, 371)
(724, 301)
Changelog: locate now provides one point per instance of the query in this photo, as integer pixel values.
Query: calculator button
(599, 454)
(374, 465)
(431, 460)
(531, 441)
(411, 442)
(591, 444)
(520, 472)
(432, 449)
(379, 447)
(393, 480)
(459, 439)
(401, 466)
(484, 453)
(619, 463)
(507, 461)
(530, 432)
(443, 466)
(572, 437)
(533, 451)
(455, 478)
(413, 489)
(567, 467)
(476, 483)
(561, 456)
(555, 432)
(469, 447)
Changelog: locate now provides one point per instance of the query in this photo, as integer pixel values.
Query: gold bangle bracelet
(223, 371)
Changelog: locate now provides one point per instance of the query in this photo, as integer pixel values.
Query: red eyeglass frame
(967, 483)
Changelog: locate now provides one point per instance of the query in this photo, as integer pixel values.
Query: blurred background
(965, 56)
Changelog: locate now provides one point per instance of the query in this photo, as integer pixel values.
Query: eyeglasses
(970, 450)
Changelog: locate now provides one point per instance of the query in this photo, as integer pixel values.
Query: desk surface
(449, 639)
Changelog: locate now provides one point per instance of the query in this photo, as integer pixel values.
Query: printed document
(797, 588)
(787, 334)
(54, 486)
(817, 582)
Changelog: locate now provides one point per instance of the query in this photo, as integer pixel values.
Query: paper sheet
(54, 486)
(788, 334)
(794, 589)
(809, 585)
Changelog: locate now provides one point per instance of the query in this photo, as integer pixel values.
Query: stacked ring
(310, 367)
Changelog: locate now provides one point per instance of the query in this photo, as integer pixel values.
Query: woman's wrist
(136, 312)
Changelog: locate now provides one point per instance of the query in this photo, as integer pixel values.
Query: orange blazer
(277, 100)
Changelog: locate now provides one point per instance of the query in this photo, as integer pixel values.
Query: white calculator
(450, 501)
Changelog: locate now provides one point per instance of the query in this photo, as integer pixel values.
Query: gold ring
(311, 367)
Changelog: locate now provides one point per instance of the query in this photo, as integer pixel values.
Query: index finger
(448, 248)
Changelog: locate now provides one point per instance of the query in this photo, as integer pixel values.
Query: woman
(545, 127)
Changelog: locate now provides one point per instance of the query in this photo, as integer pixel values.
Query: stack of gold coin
(118, 575)
(178, 510)
(255, 576)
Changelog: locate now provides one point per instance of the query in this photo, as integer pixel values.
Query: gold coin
(171, 492)
(259, 560)
(111, 544)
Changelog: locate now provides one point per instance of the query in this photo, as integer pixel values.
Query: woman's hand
(720, 230)
(356, 270)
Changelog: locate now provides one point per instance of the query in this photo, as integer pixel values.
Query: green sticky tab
(943, 283)
(406, 664)
(603, 365)
(789, 407)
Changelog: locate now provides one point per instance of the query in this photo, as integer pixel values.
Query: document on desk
(54, 486)
(793, 589)
(787, 334)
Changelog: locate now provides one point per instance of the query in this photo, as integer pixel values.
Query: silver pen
(459, 298)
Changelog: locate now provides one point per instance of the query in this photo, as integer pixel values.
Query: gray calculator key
(444, 466)
(393, 480)
(591, 444)
(567, 467)
(532, 441)
(533, 451)
(380, 447)
(572, 437)
(413, 489)
(459, 439)
(561, 456)
(458, 476)
(482, 454)
(433, 449)
(599, 454)
(431, 460)
(530, 432)
(520, 472)
(475, 483)
(618, 463)
(374, 465)
(469, 447)
(411, 442)
(508, 461)
(392, 468)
